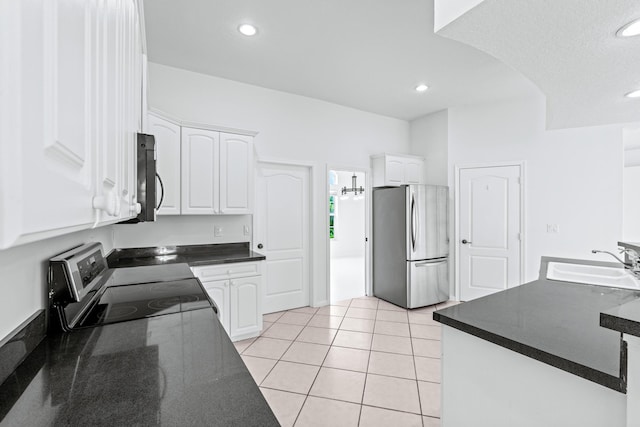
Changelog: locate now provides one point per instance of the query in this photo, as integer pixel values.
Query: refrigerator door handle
(413, 222)
(431, 263)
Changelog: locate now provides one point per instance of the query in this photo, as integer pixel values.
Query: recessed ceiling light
(630, 30)
(634, 94)
(248, 30)
(421, 87)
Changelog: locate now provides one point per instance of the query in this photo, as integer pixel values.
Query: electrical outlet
(247, 230)
(217, 231)
(553, 228)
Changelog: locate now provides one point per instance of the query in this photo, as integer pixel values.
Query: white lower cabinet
(237, 291)
(218, 291)
(246, 310)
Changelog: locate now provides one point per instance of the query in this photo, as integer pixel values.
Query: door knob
(260, 246)
(465, 241)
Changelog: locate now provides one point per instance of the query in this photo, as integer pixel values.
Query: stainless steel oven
(84, 292)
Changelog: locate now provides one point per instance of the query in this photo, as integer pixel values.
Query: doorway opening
(347, 224)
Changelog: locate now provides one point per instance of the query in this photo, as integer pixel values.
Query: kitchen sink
(615, 277)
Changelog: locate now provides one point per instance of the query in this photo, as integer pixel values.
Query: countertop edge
(193, 255)
(612, 382)
(619, 324)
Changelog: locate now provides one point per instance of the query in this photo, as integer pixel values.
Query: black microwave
(148, 180)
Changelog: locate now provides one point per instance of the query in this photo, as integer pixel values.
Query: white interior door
(489, 222)
(282, 234)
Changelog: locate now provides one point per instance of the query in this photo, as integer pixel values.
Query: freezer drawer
(427, 282)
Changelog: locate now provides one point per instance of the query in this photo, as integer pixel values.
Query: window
(332, 216)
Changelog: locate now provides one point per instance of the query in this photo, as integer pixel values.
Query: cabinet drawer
(228, 271)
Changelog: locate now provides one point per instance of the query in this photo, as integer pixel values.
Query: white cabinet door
(397, 169)
(394, 171)
(236, 173)
(53, 167)
(67, 108)
(218, 291)
(118, 52)
(167, 137)
(132, 50)
(109, 143)
(413, 171)
(200, 175)
(245, 309)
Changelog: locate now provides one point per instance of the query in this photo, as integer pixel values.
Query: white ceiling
(568, 48)
(365, 54)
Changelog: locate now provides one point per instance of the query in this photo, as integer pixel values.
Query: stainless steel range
(85, 292)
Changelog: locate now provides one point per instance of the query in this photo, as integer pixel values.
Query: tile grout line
(317, 373)
(366, 377)
(285, 352)
(278, 361)
(415, 369)
(332, 345)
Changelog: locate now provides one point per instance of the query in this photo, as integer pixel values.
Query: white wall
(290, 127)
(447, 11)
(23, 273)
(631, 184)
(631, 205)
(430, 139)
(573, 177)
(183, 230)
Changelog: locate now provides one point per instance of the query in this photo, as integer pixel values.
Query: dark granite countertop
(557, 323)
(175, 369)
(191, 254)
(625, 318)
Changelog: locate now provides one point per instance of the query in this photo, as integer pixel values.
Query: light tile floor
(359, 362)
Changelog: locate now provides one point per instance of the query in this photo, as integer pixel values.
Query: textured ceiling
(365, 54)
(568, 48)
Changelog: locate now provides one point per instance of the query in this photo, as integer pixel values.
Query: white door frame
(311, 167)
(367, 226)
(456, 221)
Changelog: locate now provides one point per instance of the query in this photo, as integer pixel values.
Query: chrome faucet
(634, 258)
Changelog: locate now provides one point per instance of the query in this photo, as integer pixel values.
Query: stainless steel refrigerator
(411, 244)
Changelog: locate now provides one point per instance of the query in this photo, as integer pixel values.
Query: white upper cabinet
(200, 177)
(69, 113)
(217, 172)
(236, 173)
(394, 171)
(397, 169)
(167, 136)
(413, 170)
(117, 78)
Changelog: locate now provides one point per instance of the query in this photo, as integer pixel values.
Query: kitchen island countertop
(557, 323)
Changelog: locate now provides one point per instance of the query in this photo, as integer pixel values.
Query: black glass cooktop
(137, 301)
